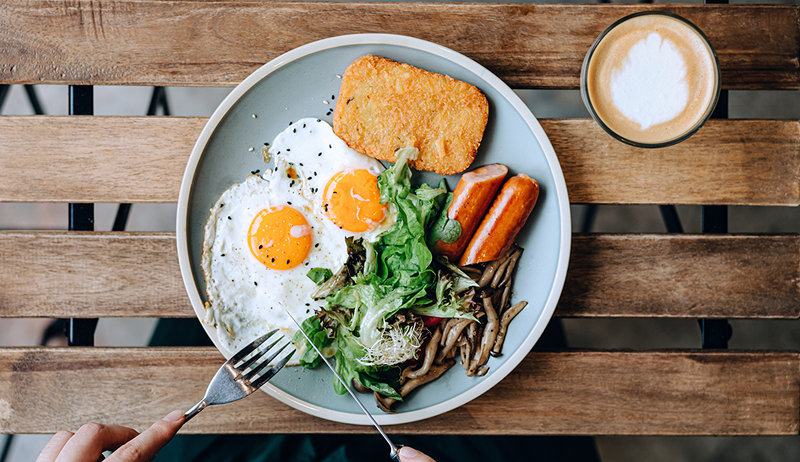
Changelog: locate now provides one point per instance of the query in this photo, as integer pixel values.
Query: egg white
(244, 296)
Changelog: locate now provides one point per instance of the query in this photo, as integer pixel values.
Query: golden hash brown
(384, 106)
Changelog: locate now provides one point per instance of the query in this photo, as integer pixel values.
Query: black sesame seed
(329, 146)
(260, 246)
(306, 263)
(254, 171)
(316, 245)
(229, 218)
(221, 205)
(315, 173)
(291, 184)
(272, 259)
(319, 120)
(287, 149)
(288, 176)
(254, 282)
(319, 154)
(294, 130)
(304, 125)
(308, 304)
(288, 202)
(290, 123)
(309, 178)
(288, 261)
(279, 152)
(301, 164)
(333, 96)
(222, 255)
(266, 144)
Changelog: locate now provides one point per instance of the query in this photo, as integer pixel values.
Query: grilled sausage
(499, 228)
(471, 199)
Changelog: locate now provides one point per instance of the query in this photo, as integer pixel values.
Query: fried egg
(266, 233)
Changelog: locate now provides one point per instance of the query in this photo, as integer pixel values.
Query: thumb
(144, 447)
(408, 454)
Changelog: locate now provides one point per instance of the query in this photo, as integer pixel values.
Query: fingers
(89, 442)
(408, 454)
(144, 447)
(54, 446)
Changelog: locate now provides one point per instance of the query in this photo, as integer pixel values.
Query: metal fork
(239, 377)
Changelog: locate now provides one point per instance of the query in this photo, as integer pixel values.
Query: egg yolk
(352, 201)
(280, 237)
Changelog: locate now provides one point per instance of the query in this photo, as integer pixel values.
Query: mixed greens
(379, 301)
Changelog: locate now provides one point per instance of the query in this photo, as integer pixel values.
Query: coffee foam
(651, 79)
(650, 88)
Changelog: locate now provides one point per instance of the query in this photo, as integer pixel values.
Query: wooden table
(86, 159)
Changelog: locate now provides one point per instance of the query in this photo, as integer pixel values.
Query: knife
(395, 448)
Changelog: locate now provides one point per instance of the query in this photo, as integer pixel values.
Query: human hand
(89, 442)
(408, 454)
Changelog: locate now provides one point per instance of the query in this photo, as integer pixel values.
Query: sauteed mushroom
(430, 355)
(507, 317)
(481, 354)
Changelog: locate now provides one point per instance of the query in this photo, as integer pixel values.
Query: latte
(652, 79)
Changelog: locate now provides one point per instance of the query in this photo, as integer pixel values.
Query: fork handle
(194, 411)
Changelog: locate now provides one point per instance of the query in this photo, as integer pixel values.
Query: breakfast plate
(304, 83)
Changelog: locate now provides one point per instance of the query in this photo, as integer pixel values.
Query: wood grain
(139, 42)
(104, 274)
(140, 159)
(645, 393)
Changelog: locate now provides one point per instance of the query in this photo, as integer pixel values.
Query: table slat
(135, 42)
(586, 393)
(141, 159)
(105, 274)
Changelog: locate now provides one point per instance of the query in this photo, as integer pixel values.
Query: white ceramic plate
(298, 84)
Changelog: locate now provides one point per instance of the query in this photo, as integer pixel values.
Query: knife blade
(394, 448)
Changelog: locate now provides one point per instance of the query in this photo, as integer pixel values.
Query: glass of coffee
(651, 79)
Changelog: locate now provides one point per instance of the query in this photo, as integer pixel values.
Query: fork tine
(255, 358)
(250, 375)
(272, 371)
(250, 348)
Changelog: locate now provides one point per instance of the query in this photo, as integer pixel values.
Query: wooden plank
(104, 274)
(141, 159)
(642, 393)
(139, 42)
(683, 276)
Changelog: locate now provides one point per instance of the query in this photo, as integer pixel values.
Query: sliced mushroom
(507, 317)
(481, 354)
(491, 268)
(498, 275)
(482, 371)
(385, 403)
(470, 271)
(466, 350)
(360, 388)
(456, 328)
(430, 355)
(434, 373)
(512, 264)
(446, 325)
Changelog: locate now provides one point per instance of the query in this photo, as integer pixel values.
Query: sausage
(471, 199)
(499, 228)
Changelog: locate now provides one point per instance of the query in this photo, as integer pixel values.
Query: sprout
(396, 345)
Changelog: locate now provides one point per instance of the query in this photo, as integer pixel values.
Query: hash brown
(385, 106)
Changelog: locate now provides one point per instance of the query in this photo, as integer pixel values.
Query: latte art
(651, 79)
(651, 87)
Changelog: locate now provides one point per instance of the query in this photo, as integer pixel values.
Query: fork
(239, 377)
